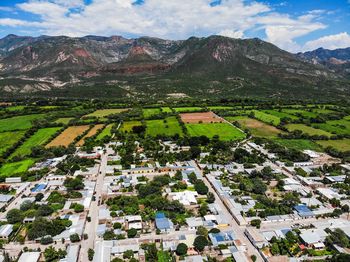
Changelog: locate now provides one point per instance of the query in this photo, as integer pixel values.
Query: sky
(294, 25)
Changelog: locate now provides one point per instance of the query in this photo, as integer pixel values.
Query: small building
(310, 237)
(5, 231)
(162, 223)
(12, 180)
(304, 211)
(222, 238)
(194, 222)
(134, 222)
(29, 257)
(255, 237)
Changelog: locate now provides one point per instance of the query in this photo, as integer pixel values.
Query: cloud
(6, 9)
(175, 19)
(341, 40)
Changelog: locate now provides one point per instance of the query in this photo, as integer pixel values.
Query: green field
(256, 127)
(166, 109)
(303, 113)
(15, 108)
(128, 125)
(12, 169)
(166, 127)
(18, 122)
(41, 137)
(347, 118)
(281, 114)
(149, 112)
(188, 109)
(267, 118)
(339, 127)
(7, 139)
(106, 112)
(341, 145)
(225, 131)
(220, 107)
(299, 144)
(307, 130)
(105, 132)
(64, 120)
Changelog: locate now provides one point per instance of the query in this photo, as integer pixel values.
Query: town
(224, 191)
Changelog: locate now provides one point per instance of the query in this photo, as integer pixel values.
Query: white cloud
(175, 19)
(341, 40)
(231, 33)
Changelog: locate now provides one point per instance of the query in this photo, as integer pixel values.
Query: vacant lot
(149, 112)
(267, 118)
(341, 145)
(68, 136)
(299, 144)
(164, 127)
(106, 112)
(39, 138)
(307, 130)
(205, 117)
(128, 125)
(339, 127)
(91, 133)
(256, 127)
(105, 132)
(12, 169)
(8, 139)
(188, 109)
(64, 120)
(18, 122)
(225, 131)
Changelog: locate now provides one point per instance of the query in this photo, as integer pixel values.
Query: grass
(39, 138)
(225, 131)
(149, 112)
(267, 118)
(256, 127)
(107, 131)
(220, 107)
(347, 118)
(303, 113)
(308, 130)
(166, 110)
(187, 109)
(300, 144)
(106, 112)
(281, 114)
(163, 256)
(341, 145)
(67, 136)
(64, 120)
(340, 127)
(165, 127)
(128, 125)
(11, 169)
(15, 108)
(18, 122)
(7, 139)
(91, 133)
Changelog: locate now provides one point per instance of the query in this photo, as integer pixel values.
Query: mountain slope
(151, 66)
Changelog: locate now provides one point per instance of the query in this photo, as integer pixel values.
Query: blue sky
(294, 25)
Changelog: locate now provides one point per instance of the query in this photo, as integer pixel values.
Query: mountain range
(152, 67)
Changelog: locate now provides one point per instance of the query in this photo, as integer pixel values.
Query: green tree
(132, 232)
(201, 188)
(91, 254)
(14, 216)
(181, 249)
(202, 231)
(200, 243)
(74, 238)
(128, 254)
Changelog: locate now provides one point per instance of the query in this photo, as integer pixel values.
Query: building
(12, 180)
(312, 237)
(194, 222)
(134, 222)
(29, 257)
(304, 211)
(222, 238)
(255, 237)
(162, 223)
(5, 231)
(72, 254)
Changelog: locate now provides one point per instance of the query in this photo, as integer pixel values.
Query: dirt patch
(67, 136)
(205, 117)
(91, 133)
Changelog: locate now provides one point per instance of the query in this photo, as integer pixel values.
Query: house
(134, 222)
(329, 193)
(72, 254)
(310, 237)
(304, 211)
(222, 238)
(194, 222)
(5, 231)
(12, 180)
(29, 257)
(255, 237)
(186, 198)
(162, 223)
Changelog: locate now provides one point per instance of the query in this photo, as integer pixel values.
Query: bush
(132, 233)
(46, 240)
(200, 243)
(91, 254)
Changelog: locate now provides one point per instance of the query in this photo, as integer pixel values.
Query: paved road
(90, 227)
(237, 229)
